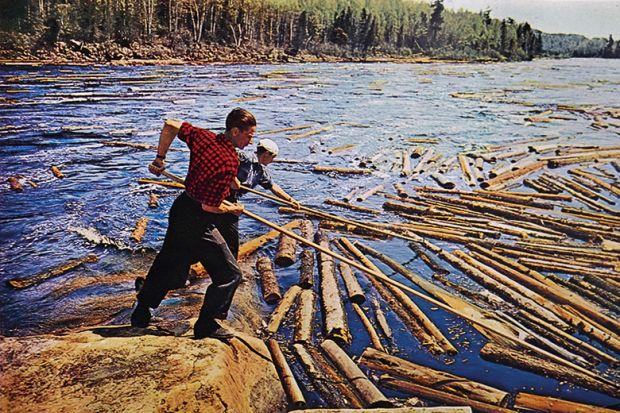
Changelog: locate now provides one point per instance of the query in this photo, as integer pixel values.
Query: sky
(591, 18)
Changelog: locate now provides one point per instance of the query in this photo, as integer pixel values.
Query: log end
(272, 297)
(284, 261)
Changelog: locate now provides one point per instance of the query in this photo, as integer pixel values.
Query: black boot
(211, 328)
(141, 315)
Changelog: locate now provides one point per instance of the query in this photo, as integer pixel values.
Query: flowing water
(68, 115)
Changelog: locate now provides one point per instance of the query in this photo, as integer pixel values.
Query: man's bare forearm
(167, 135)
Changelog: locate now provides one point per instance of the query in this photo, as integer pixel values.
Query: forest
(347, 28)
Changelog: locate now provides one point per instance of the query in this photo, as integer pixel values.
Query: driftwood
(153, 201)
(269, 282)
(286, 253)
(334, 315)
(530, 362)
(429, 377)
(138, 232)
(354, 171)
(370, 329)
(252, 245)
(440, 396)
(368, 391)
(289, 384)
(306, 269)
(283, 306)
(354, 290)
(528, 401)
(304, 316)
(57, 173)
(52, 273)
(15, 184)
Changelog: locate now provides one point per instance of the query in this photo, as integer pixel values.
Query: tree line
(335, 27)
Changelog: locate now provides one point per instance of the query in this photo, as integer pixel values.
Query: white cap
(268, 145)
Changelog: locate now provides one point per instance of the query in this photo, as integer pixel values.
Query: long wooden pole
(415, 293)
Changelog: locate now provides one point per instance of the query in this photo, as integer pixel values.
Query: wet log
(400, 190)
(352, 207)
(290, 128)
(431, 263)
(478, 175)
(307, 230)
(369, 393)
(406, 164)
(289, 384)
(353, 171)
(436, 379)
(168, 184)
(610, 246)
(334, 315)
(351, 194)
(370, 329)
(443, 181)
(482, 296)
(153, 201)
(367, 194)
(468, 175)
(286, 253)
(535, 185)
(354, 290)
(501, 181)
(440, 396)
(417, 151)
(479, 163)
(310, 133)
(588, 272)
(381, 320)
(283, 306)
(601, 296)
(57, 173)
(448, 164)
(269, 282)
(306, 269)
(138, 232)
(14, 184)
(536, 403)
(523, 360)
(352, 229)
(441, 409)
(320, 382)
(558, 161)
(611, 188)
(616, 165)
(252, 245)
(304, 317)
(52, 273)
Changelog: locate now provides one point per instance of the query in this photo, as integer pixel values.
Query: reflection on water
(64, 116)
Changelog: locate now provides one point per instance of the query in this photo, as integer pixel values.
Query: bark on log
(57, 173)
(468, 175)
(252, 245)
(443, 181)
(611, 188)
(440, 396)
(52, 273)
(14, 183)
(306, 269)
(530, 362)
(334, 315)
(381, 320)
(501, 181)
(368, 391)
(269, 282)
(431, 263)
(370, 329)
(429, 377)
(153, 201)
(534, 402)
(307, 230)
(353, 171)
(283, 306)
(289, 384)
(286, 253)
(138, 232)
(400, 190)
(168, 184)
(354, 290)
(304, 317)
(352, 207)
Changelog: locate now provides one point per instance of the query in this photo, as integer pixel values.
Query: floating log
(416, 152)
(381, 320)
(501, 181)
(334, 315)
(57, 172)
(611, 188)
(364, 196)
(328, 391)
(482, 296)
(310, 133)
(168, 184)
(304, 317)
(52, 273)
(424, 161)
(351, 194)
(442, 409)
(525, 361)
(307, 230)
(289, 384)
(534, 402)
(438, 380)
(290, 128)
(286, 253)
(370, 329)
(406, 166)
(306, 269)
(352, 229)
(14, 183)
(478, 175)
(442, 180)
(431, 263)
(283, 306)
(354, 171)
(252, 245)
(558, 161)
(354, 290)
(341, 148)
(440, 396)
(400, 190)
(269, 282)
(352, 207)
(368, 391)
(468, 175)
(153, 201)
(138, 232)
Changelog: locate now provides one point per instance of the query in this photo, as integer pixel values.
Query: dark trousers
(193, 236)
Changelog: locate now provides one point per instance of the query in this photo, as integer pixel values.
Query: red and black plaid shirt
(213, 164)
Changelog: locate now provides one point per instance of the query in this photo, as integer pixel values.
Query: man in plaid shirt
(192, 233)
